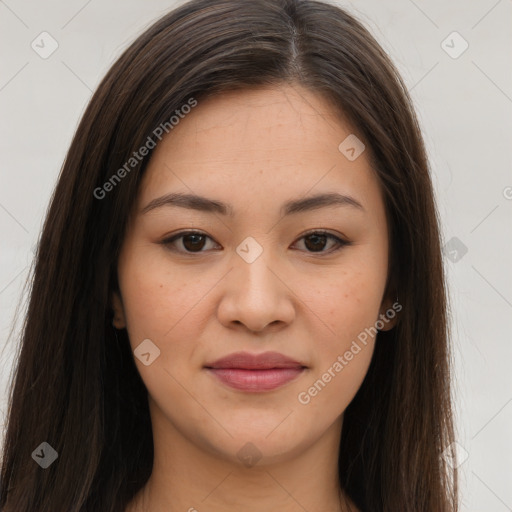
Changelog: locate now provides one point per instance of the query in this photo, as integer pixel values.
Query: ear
(118, 321)
(388, 314)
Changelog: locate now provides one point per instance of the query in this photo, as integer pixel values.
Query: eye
(316, 240)
(194, 241)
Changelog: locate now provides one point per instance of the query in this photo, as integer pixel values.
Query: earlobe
(388, 315)
(118, 321)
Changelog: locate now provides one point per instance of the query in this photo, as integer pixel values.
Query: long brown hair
(76, 386)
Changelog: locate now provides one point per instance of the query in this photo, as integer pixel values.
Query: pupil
(316, 240)
(194, 242)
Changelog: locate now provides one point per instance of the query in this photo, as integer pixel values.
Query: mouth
(256, 380)
(255, 373)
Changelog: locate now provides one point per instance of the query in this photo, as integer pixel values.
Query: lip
(256, 380)
(255, 372)
(248, 361)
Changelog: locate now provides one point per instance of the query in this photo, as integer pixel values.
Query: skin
(254, 150)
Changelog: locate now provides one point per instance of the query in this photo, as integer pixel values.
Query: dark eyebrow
(195, 202)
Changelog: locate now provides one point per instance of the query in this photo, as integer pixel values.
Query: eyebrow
(204, 204)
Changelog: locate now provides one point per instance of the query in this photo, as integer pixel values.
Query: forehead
(268, 118)
(259, 145)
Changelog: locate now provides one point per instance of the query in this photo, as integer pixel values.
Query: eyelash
(340, 242)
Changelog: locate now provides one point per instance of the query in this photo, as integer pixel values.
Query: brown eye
(316, 241)
(195, 241)
(191, 242)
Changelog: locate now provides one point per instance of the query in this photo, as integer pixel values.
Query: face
(307, 283)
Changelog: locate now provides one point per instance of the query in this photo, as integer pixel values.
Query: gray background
(464, 105)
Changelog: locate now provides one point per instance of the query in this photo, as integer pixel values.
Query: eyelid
(340, 240)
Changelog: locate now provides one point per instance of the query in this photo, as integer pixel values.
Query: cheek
(345, 310)
(345, 302)
(329, 391)
(165, 307)
(346, 307)
(159, 301)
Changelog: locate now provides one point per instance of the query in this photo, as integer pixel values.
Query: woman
(189, 342)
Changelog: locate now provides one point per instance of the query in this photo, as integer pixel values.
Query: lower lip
(256, 380)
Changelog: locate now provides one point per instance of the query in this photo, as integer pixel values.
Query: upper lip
(247, 361)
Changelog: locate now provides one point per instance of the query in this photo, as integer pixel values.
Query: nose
(256, 296)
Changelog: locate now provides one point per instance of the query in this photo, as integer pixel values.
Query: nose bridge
(250, 250)
(251, 265)
(255, 296)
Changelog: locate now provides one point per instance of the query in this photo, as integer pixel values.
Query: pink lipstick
(255, 372)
